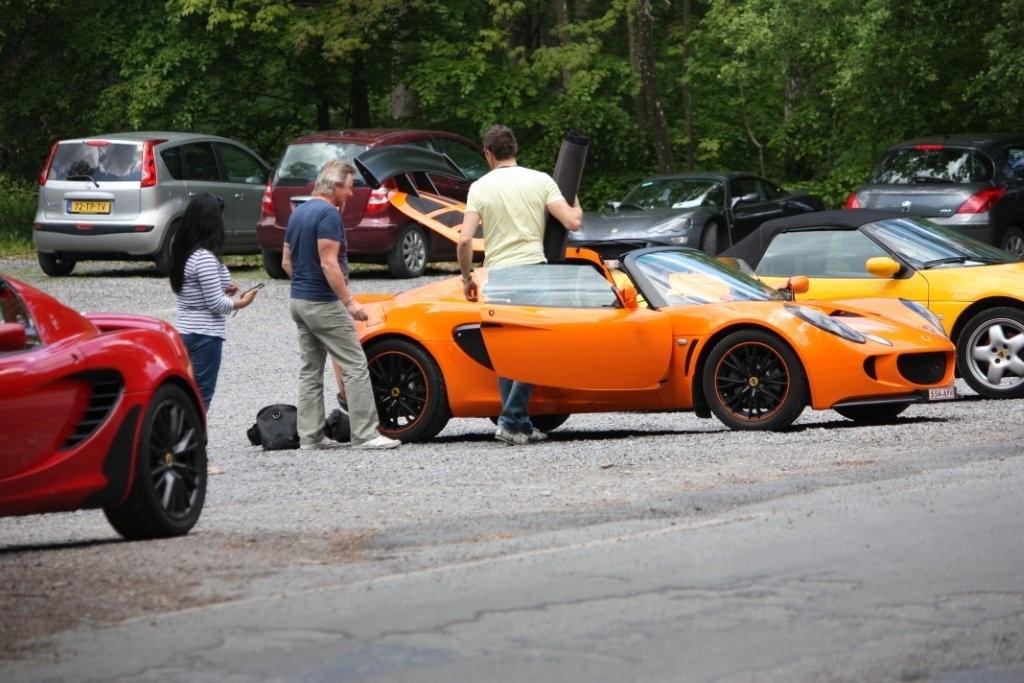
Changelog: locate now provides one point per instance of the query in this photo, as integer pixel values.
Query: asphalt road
(630, 546)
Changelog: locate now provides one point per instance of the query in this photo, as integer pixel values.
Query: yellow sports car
(974, 291)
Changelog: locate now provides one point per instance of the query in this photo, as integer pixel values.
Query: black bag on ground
(338, 427)
(275, 428)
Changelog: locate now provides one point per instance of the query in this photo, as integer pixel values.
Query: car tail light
(378, 201)
(46, 167)
(982, 201)
(852, 202)
(97, 143)
(267, 208)
(929, 148)
(149, 162)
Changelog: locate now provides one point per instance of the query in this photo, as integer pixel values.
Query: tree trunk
(750, 131)
(359, 99)
(641, 53)
(561, 10)
(323, 115)
(686, 92)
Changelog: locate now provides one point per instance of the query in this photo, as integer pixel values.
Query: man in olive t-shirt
(513, 203)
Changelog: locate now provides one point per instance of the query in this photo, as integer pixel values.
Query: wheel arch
(700, 403)
(978, 307)
(184, 385)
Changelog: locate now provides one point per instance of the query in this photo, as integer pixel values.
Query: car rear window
(301, 162)
(933, 165)
(97, 159)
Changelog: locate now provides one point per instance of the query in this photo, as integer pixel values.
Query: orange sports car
(711, 339)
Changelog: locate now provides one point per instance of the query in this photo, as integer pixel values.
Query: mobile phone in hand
(257, 286)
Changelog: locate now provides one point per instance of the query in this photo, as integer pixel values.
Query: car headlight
(827, 323)
(675, 224)
(933, 320)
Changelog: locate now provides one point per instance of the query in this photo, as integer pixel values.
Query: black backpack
(275, 428)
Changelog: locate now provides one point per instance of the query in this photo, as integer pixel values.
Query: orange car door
(589, 348)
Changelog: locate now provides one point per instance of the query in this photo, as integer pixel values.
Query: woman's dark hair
(202, 226)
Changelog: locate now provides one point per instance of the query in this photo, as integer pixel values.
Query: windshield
(675, 193)
(97, 160)
(687, 278)
(301, 163)
(926, 244)
(942, 165)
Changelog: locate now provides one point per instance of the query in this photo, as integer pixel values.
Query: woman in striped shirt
(204, 289)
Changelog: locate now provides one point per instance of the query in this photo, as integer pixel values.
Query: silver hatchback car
(120, 196)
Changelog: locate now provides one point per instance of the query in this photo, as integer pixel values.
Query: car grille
(922, 368)
(104, 389)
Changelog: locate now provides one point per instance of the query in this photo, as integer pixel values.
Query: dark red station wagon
(376, 232)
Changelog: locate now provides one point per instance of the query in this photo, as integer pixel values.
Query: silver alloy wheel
(1014, 244)
(997, 354)
(414, 251)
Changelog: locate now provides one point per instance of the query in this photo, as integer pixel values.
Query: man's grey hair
(334, 171)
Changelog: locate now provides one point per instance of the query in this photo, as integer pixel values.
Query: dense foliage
(807, 91)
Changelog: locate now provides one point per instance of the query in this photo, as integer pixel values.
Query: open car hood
(381, 164)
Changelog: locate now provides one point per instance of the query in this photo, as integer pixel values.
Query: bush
(17, 208)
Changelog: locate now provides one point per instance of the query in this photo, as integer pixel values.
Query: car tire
(55, 265)
(709, 239)
(409, 390)
(169, 485)
(408, 258)
(752, 380)
(880, 414)
(545, 423)
(163, 256)
(1013, 242)
(272, 264)
(988, 347)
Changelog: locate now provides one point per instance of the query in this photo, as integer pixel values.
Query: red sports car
(97, 411)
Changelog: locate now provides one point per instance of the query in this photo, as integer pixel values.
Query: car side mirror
(798, 284)
(13, 336)
(882, 267)
(627, 294)
(614, 206)
(748, 198)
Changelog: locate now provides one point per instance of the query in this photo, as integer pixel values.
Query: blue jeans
(205, 352)
(514, 398)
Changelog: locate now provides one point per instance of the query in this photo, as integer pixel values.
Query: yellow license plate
(79, 206)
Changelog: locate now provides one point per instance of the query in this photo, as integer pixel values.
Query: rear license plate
(79, 206)
(942, 394)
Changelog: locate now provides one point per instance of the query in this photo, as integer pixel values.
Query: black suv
(971, 183)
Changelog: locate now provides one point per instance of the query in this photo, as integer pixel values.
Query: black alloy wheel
(408, 389)
(752, 380)
(882, 413)
(169, 486)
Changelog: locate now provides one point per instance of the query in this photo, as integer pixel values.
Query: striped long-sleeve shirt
(202, 304)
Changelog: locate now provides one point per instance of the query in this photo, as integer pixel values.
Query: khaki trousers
(325, 327)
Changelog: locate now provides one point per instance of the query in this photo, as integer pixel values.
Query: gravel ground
(300, 518)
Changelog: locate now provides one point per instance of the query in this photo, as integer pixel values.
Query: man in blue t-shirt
(324, 310)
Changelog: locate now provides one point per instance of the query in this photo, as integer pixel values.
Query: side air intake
(105, 388)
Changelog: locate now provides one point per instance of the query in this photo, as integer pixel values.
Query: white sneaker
(377, 443)
(324, 445)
